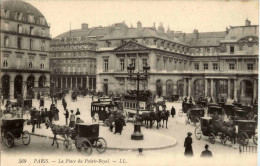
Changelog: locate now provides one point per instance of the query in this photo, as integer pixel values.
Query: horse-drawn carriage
(103, 109)
(185, 108)
(13, 129)
(85, 138)
(240, 129)
(194, 115)
(212, 109)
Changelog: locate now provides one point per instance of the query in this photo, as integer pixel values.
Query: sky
(182, 16)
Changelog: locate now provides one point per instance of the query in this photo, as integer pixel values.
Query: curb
(120, 149)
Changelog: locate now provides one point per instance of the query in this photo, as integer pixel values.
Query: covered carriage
(194, 115)
(185, 108)
(85, 137)
(12, 129)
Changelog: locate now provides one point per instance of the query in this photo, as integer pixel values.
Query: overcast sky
(179, 15)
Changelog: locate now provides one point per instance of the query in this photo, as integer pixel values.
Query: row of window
(250, 66)
(30, 65)
(19, 43)
(122, 63)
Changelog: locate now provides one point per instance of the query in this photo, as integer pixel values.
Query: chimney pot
(248, 23)
(84, 26)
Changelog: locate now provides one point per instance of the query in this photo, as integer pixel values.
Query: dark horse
(165, 115)
(58, 130)
(148, 117)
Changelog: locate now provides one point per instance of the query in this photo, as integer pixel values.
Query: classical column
(185, 87)
(61, 83)
(11, 89)
(235, 90)
(24, 86)
(81, 83)
(92, 84)
(126, 84)
(66, 82)
(255, 90)
(229, 89)
(36, 80)
(71, 82)
(211, 87)
(206, 87)
(189, 91)
(87, 82)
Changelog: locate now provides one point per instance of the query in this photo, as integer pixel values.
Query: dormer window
(42, 21)
(31, 18)
(18, 16)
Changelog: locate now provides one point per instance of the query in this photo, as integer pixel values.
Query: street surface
(177, 130)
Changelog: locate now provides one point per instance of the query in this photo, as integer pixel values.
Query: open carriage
(12, 129)
(86, 137)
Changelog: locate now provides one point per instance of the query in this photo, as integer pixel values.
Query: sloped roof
(21, 7)
(238, 32)
(128, 33)
(204, 38)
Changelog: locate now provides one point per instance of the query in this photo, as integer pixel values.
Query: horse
(158, 118)
(58, 130)
(165, 116)
(147, 117)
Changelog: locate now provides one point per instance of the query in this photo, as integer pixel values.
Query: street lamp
(137, 135)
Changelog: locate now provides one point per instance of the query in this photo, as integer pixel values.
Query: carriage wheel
(180, 113)
(196, 121)
(76, 143)
(9, 140)
(255, 138)
(101, 145)
(86, 147)
(244, 139)
(67, 144)
(106, 123)
(212, 138)
(26, 138)
(198, 132)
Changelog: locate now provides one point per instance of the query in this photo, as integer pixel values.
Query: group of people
(73, 118)
(117, 120)
(189, 151)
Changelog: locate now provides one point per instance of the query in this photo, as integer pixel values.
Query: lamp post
(137, 134)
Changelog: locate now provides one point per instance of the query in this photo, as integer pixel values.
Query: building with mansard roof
(25, 36)
(198, 64)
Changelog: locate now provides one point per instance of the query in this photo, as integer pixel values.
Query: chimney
(248, 23)
(196, 32)
(84, 26)
(139, 24)
(161, 28)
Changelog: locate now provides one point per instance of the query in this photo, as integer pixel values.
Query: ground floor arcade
(14, 84)
(243, 89)
(72, 81)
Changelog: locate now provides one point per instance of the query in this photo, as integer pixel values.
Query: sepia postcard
(129, 82)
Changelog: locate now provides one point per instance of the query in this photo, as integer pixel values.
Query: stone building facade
(198, 64)
(25, 37)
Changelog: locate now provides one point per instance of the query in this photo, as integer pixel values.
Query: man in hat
(66, 116)
(72, 119)
(206, 152)
(187, 144)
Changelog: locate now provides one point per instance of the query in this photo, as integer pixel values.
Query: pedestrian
(72, 119)
(118, 125)
(206, 152)
(42, 116)
(64, 104)
(66, 116)
(55, 113)
(50, 113)
(33, 119)
(38, 122)
(173, 111)
(77, 113)
(190, 100)
(187, 144)
(111, 120)
(41, 102)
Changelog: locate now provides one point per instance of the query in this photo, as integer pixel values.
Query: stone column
(77, 82)
(47, 82)
(66, 82)
(92, 83)
(255, 90)
(11, 90)
(211, 87)
(235, 89)
(126, 83)
(87, 82)
(71, 82)
(206, 87)
(185, 87)
(36, 80)
(229, 89)
(24, 85)
(164, 89)
(189, 91)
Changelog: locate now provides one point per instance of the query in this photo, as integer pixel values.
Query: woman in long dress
(187, 144)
